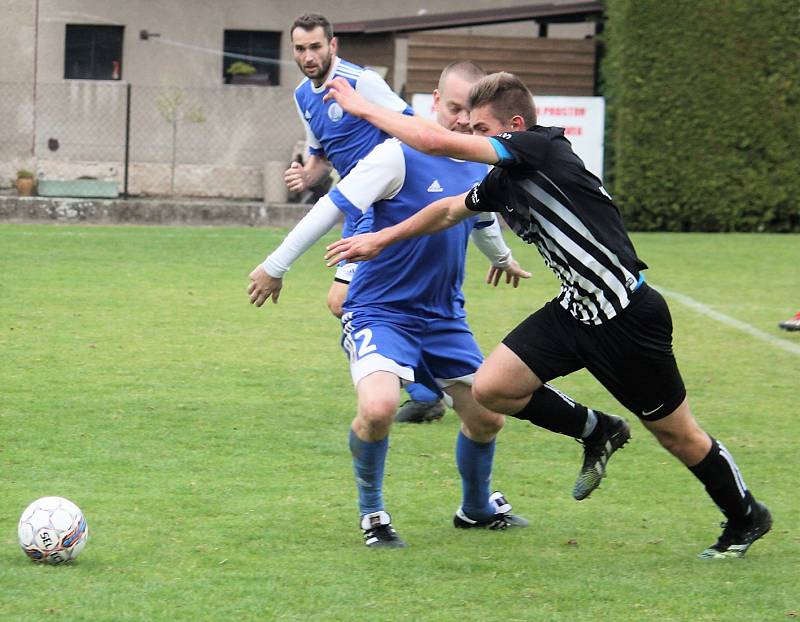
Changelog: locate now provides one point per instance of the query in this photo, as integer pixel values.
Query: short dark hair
(310, 21)
(507, 96)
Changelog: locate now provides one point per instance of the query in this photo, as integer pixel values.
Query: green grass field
(206, 442)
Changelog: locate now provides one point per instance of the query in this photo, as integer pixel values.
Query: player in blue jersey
(405, 320)
(341, 140)
(606, 319)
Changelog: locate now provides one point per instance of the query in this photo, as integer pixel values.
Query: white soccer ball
(52, 530)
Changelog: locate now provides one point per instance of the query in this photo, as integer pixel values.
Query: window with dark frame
(243, 48)
(93, 52)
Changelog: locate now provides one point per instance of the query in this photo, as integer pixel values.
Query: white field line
(699, 307)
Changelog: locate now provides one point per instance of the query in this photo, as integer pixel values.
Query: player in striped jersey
(606, 318)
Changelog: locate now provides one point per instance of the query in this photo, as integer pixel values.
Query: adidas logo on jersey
(307, 115)
(435, 186)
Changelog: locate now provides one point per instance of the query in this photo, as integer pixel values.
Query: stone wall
(149, 212)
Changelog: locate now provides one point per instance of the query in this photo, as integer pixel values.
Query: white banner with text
(583, 120)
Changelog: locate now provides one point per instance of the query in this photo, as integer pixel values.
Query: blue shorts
(434, 352)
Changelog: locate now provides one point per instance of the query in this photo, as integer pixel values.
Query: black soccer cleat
(502, 518)
(736, 538)
(378, 531)
(597, 453)
(413, 411)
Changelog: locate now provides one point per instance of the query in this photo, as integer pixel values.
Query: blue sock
(474, 462)
(369, 459)
(421, 393)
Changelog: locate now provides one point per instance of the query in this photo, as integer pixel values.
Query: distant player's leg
(793, 323)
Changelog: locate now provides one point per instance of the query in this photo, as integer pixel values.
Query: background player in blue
(405, 318)
(606, 318)
(338, 139)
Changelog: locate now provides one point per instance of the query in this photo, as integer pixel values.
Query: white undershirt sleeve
(374, 88)
(490, 242)
(379, 175)
(319, 220)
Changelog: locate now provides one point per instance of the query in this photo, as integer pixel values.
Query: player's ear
(436, 99)
(334, 45)
(518, 124)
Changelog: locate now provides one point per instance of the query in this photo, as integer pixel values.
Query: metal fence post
(127, 136)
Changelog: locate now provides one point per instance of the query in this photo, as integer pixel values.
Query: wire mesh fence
(230, 141)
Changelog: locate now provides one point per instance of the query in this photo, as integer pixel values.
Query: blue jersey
(419, 276)
(342, 138)
(335, 134)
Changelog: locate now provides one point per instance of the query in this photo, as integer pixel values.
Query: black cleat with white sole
(502, 518)
(378, 531)
(736, 538)
(597, 452)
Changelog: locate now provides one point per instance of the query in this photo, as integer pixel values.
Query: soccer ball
(52, 530)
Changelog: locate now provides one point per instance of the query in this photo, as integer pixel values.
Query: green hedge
(704, 113)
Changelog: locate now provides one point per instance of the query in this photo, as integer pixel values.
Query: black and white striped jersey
(549, 199)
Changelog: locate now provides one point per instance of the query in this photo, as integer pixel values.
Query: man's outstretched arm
(266, 279)
(435, 217)
(421, 134)
(489, 240)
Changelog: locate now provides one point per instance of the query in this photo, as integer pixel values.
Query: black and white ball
(52, 530)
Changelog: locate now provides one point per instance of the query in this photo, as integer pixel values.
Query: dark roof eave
(578, 11)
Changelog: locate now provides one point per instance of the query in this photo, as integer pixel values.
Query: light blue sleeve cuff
(501, 150)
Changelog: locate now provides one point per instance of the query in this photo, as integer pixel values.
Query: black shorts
(631, 354)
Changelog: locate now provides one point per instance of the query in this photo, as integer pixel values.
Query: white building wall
(37, 105)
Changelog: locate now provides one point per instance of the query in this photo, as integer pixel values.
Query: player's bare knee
(668, 440)
(482, 423)
(485, 395)
(335, 306)
(491, 423)
(377, 410)
(337, 293)
(680, 435)
(681, 444)
(485, 429)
